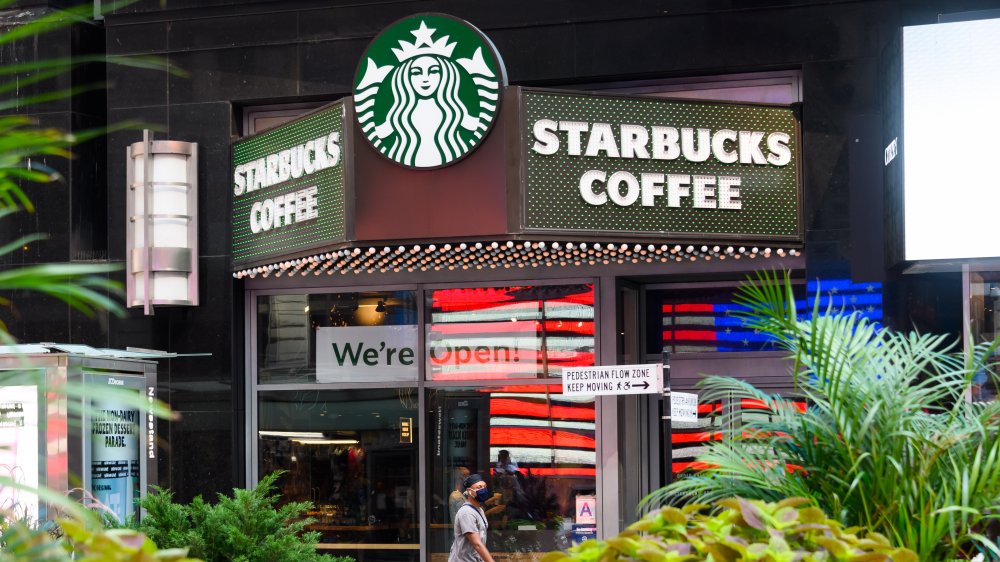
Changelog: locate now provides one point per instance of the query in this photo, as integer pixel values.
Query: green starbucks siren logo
(427, 90)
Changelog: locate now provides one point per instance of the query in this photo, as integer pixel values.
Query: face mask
(482, 495)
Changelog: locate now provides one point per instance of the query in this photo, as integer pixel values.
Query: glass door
(535, 448)
(353, 454)
(983, 318)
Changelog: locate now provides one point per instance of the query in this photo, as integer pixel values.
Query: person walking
(471, 525)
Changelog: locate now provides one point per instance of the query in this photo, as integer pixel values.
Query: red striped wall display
(689, 440)
(509, 332)
(698, 320)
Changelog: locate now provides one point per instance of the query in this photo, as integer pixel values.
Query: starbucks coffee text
(637, 142)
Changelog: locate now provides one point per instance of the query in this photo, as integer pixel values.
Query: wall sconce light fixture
(162, 239)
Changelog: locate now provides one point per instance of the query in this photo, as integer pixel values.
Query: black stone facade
(237, 54)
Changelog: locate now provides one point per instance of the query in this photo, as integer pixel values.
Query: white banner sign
(683, 407)
(114, 467)
(616, 379)
(366, 353)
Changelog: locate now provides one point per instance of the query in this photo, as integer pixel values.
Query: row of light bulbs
(500, 254)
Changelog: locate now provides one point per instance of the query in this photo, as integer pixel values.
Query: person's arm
(478, 546)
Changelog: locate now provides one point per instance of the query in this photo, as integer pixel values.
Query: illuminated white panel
(951, 115)
(555, 424)
(547, 455)
(19, 451)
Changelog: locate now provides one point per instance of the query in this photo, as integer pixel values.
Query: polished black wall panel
(327, 68)
(52, 202)
(245, 73)
(156, 117)
(209, 125)
(866, 229)
(199, 456)
(130, 87)
(226, 32)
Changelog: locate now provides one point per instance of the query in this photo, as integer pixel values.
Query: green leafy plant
(740, 529)
(888, 441)
(25, 149)
(73, 540)
(535, 502)
(247, 527)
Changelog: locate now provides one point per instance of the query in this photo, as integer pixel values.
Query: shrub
(887, 440)
(76, 540)
(246, 527)
(740, 530)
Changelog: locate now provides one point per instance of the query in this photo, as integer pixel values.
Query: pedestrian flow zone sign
(615, 379)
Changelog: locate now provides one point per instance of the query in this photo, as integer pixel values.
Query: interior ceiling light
(298, 434)
(325, 441)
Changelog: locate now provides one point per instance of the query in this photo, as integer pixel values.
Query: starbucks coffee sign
(663, 168)
(288, 187)
(427, 90)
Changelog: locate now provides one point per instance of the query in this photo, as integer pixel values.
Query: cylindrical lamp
(162, 239)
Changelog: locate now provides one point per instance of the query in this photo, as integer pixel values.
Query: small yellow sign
(406, 430)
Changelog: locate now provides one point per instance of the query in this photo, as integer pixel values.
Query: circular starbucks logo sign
(427, 90)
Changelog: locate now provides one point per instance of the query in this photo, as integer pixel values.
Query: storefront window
(984, 325)
(689, 440)
(537, 451)
(704, 319)
(337, 337)
(509, 332)
(353, 454)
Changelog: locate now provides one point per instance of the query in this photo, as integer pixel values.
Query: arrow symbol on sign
(644, 385)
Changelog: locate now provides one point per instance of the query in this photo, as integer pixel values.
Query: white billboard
(951, 114)
(19, 451)
(366, 353)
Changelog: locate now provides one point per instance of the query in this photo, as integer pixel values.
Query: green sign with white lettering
(658, 167)
(288, 188)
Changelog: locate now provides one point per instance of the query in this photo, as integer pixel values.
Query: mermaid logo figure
(418, 101)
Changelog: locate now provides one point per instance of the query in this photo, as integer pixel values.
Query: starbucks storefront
(423, 260)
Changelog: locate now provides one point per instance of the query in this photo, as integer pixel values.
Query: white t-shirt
(468, 519)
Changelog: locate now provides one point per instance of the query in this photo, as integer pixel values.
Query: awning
(501, 255)
(88, 351)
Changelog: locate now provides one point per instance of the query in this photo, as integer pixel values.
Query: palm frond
(887, 441)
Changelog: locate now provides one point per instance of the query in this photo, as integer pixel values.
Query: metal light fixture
(162, 239)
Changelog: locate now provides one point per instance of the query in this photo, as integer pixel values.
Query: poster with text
(19, 450)
(114, 469)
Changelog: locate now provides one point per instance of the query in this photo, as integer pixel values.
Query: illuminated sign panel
(288, 188)
(19, 451)
(659, 167)
(951, 83)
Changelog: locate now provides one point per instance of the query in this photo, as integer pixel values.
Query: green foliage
(247, 527)
(888, 441)
(740, 530)
(24, 150)
(169, 524)
(73, 540)
(534, 501)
